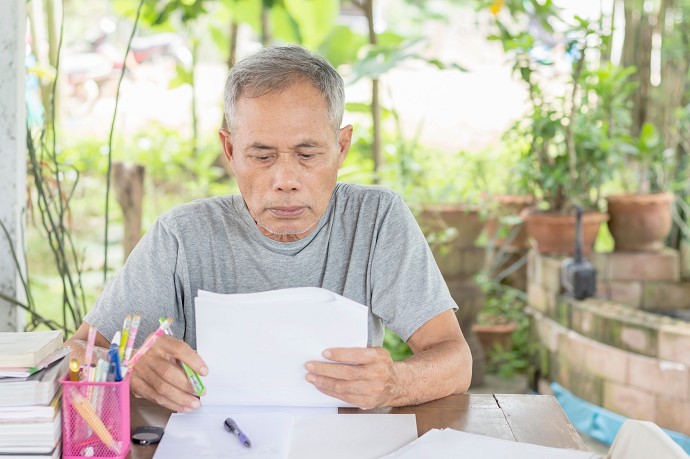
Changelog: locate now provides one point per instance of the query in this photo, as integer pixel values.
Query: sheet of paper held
(453, 443)
(282, 435)
(256, 345)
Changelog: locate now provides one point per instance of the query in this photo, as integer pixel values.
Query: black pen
(231, 426)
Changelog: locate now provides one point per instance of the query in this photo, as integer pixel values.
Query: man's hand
(158, 377)
(364, 377)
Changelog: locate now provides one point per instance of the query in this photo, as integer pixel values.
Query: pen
(86, 411)
(89, 351)
(125, 334)
(231, 426)
(149, 342)
(114, 360)
(133, 329)
(74, 370)
(192, 375)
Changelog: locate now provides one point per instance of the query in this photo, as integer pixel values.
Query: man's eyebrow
(309, 143)
(260, 146)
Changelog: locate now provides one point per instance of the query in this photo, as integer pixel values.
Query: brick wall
(614, 353)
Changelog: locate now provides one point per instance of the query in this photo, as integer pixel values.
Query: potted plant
(642, 217)
(567, 142)
(500, 318)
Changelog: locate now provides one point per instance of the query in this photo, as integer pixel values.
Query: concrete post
(12, 155)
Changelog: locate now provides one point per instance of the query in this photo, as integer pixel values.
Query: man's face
(286, 156)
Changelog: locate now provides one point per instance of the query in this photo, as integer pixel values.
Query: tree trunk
(375, 107)
(128, 180)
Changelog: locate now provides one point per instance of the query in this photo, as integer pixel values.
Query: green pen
(193, 376)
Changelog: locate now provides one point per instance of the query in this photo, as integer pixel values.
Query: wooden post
(128, 180)
(12, 159)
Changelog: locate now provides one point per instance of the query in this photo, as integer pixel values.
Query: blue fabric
(597, 422)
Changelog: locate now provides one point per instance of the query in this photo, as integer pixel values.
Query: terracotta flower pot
(492, 336)
(509, 205)
(555, 233)
(438, 217)
(640, 222)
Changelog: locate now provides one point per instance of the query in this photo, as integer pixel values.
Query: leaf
(314, 18)
(446, 65)
(380, 59)
(183, 76)
(342, 46)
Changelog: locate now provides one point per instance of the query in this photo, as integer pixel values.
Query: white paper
(348, 436)
(285, 435)
(292, 410)
(449, 443)
(204, 436)
(256, 345)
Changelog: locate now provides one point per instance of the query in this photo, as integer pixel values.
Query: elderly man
(291, 226)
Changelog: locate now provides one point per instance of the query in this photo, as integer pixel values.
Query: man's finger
(337, 370)
(343, 387)
(183, 352)
(358, 355)
(141, 388)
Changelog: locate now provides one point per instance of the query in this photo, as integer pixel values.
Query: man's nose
(287, 174)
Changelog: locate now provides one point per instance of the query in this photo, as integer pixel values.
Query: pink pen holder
(95, 419)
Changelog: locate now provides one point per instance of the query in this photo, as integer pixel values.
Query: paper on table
(203, 435)
(313, 436)
(256, 345)
(453, 443)
(351, 435)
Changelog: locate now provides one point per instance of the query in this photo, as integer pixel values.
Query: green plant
(396, 346)
(653, 164)
(505, 305)
(568, 142)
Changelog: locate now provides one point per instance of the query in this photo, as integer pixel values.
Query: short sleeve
(407, 286)
(147, 284)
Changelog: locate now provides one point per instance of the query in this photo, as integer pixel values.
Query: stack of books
(31, 367)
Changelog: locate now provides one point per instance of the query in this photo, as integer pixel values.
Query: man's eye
(263, 159)
(306, 156)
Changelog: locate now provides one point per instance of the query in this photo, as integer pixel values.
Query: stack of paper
(27, 349)
(30, 420)
(256, 346)
(453, 443)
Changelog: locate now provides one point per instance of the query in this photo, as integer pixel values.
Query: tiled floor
(518, 385)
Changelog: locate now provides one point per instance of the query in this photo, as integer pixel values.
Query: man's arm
(368, 378)
(157, 376)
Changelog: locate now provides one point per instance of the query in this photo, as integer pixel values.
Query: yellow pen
(125, 333)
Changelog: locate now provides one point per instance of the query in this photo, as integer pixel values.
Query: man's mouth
(287, 211)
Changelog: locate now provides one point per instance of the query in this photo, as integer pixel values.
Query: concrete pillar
(12, 155)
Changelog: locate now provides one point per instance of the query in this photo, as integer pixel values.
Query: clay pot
(640, 222)
(439, 217)
(509, 205)
(492, 335)
(555, 233)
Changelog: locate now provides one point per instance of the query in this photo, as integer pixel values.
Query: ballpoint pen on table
(192, 375)
(231, 426)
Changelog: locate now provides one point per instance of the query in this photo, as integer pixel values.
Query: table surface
(536, 419)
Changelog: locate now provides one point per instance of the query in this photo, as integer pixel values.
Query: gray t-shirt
(366, 247)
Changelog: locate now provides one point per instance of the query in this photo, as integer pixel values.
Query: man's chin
(280, 230)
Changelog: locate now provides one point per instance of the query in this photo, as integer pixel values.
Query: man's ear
(344, 141)
(226, 141)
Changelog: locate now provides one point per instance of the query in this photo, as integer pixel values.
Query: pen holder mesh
(95, 419)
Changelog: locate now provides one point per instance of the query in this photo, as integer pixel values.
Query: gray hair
(276, 68)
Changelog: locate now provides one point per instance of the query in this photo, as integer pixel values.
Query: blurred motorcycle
(94, 70)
